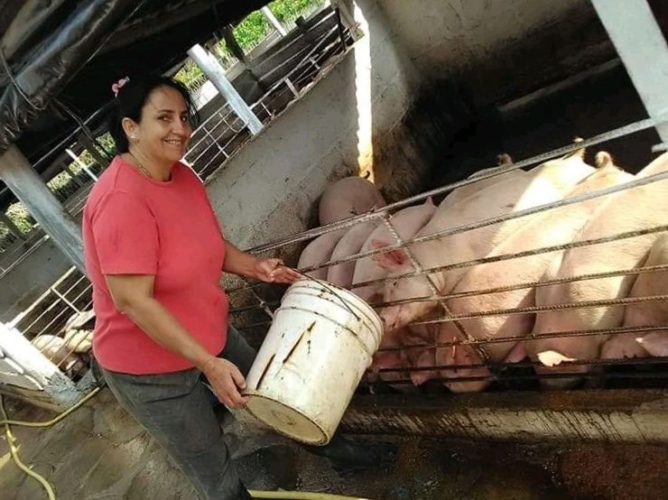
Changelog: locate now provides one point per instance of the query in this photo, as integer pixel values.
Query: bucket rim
(360, 304)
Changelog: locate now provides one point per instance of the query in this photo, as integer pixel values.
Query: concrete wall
(269, 189)
(27, 280)
(499, 48)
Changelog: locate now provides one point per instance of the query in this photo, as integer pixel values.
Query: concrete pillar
(216, 73)
(643, 50)
(25, 368)
(30, 189)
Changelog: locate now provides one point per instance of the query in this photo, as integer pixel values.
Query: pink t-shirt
(135, 225)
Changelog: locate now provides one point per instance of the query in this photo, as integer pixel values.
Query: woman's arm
(133, 296)
(269, 270)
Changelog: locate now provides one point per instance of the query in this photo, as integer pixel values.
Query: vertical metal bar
(212, 68)
(64, 299)
(71, 173)
(81, 163)
(643, 50)
(432, 287)
(272, 19)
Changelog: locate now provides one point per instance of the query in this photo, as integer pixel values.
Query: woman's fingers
(284, 274)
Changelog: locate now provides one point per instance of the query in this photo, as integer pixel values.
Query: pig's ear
(655, 343)
(429, 202)
(392, 260)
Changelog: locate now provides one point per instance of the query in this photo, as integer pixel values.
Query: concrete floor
(99, 452)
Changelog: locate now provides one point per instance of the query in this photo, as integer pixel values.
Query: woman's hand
(274, 271)
(226, 381)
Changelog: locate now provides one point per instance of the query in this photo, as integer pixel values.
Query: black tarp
(70, 52)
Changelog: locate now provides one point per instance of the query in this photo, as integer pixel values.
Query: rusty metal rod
(551, 335)
(312, 233)
(552, 307)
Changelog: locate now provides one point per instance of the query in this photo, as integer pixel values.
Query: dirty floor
(99, 452)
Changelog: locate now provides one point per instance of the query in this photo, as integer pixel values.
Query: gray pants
(176, 410)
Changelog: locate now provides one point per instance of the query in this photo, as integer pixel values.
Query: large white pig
(546, 183)
(350, 244)
(653, 313)
(633, 209)
(406, 222)
(348, 197)
(553, 227)
(319, 251)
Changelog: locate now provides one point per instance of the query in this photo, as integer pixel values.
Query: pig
(656, 344)
(406, 222)
(553, 227)
(464, 356)
(408, 357)
(410, 220)
(463, 192)
(318, 252)
(57, 352)
(395, 359)
(636, 345)
(637, 208)
(348, 197)
(546, 183)
(349, 244)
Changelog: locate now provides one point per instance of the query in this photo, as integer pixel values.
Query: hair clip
(116, 87)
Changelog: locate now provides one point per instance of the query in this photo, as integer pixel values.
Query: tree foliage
(249, 33)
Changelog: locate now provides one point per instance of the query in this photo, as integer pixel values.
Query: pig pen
(623, 400)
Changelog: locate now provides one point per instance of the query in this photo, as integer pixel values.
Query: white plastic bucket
(319, 345)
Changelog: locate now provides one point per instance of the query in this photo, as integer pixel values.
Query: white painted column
(216, 73)
(643, 50)
(23, 366)
(30, 189)
(273, 20)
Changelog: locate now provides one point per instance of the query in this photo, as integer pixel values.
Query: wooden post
(30, 189)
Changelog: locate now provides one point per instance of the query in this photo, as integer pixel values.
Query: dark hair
(131, 99)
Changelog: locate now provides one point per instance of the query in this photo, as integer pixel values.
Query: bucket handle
(331, 290)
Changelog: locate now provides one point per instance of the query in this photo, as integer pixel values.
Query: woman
(154, 254)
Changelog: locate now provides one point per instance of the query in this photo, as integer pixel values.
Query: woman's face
(164, 130)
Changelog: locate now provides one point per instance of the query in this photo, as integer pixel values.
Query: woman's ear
(130, 128)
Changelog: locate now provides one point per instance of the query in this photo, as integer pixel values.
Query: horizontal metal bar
(535, 376)
(312, 233)
(528, 364)
(518, 286)
(552, 307)
(551, 335)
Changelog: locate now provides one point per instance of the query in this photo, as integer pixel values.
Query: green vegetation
(19, 215)
(249, 33)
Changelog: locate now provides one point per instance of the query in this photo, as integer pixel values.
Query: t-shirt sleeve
(126, 236)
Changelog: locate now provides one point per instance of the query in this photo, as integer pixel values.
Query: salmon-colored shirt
(135, 225)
